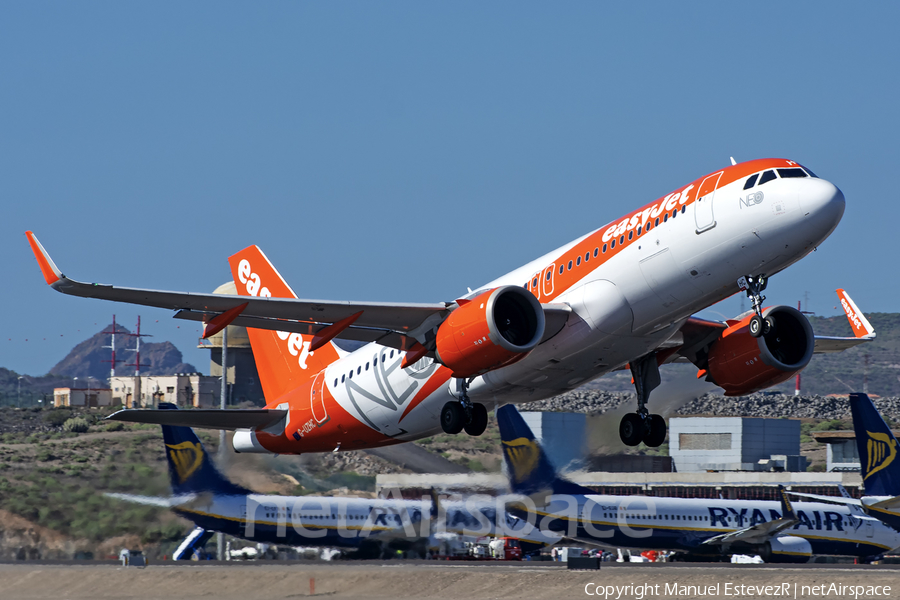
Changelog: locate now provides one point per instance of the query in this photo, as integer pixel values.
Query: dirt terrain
(430, 580)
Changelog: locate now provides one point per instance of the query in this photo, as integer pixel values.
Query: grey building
(562, 435)
(700, 444)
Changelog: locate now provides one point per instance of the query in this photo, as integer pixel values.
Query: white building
(89, 397)
(183, 389)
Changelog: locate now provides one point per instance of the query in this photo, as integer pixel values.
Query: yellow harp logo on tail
(187, 458)
(881, 450)
(523, 456)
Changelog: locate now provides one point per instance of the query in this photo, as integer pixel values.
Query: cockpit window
(751, 181)
(811, 174)
(789, 173)
(767, 176)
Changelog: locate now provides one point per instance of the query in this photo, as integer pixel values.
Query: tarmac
(440, 580)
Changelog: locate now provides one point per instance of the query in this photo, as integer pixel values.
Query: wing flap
(205, 418)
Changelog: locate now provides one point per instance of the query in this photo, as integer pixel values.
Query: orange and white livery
(621, 296)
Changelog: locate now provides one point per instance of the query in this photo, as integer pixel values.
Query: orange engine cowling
(492, 330)
(742, 364)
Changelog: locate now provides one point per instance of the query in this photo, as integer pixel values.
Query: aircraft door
(547, 278)
(703, 206)
(317, 399)
(870, 529)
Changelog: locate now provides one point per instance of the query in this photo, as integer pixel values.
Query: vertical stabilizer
(877, 445)
(191, 470)
(530, 471)
(283, 360)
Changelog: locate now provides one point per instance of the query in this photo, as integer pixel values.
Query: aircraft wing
(203, 418)
(393, 324)
(152, 500)
(759, 533)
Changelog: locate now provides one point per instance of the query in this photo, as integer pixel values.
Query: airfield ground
(411, 579)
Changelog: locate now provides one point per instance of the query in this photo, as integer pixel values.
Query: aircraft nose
(823, 202)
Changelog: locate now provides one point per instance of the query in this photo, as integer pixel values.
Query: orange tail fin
(283, 359)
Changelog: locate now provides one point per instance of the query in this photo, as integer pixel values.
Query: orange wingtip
(49, 270)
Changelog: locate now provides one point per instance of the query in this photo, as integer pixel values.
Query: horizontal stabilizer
(211, 418)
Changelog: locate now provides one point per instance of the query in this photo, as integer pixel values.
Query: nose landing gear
(754, 287)
(464, 414)
(642, 426)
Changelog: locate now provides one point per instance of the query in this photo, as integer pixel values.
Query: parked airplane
(204, 496)
(877, 452)
(619, 297)
(778, 532)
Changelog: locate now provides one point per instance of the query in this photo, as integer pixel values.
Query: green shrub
(44, 455)
(115, 426)
(76, 425)
(57, 417)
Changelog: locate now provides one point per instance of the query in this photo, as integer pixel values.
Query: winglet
(859, 323)
(787, 510)
(51, 272)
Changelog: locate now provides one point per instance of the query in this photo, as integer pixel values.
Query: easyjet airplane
(621, 296)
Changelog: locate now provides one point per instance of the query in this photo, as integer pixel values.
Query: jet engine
(742, 364)
(492, 330)
(786, 549)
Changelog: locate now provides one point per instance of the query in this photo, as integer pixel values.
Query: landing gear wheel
(452, 417)
(631, 429)
(756, 326)
(769, 326)
(479, 421)
(656, 433)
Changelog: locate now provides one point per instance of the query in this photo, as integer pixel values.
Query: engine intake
(490, 331)
(742, 364)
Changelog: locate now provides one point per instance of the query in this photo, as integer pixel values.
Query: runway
(432, 580)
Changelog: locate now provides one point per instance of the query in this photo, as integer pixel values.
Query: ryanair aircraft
(879, 466)
(204, 496)
(777, 531)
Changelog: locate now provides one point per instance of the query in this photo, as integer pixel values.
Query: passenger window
(630, 235)
(751, 181)
(612, 244)
(534, 282)
(621, 240)
(683, 208)
(342, 378)
(335, 382)
(561, 269)
(791, 173)
(604, 249)
(587, 256)
(665, 217)
(656, 223)
(549, 273)
(674, 213)
(570, 266)
(578, 261)
(767, 177)
(640, 229)
(595, 252)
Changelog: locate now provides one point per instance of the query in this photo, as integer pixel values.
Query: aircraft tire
(756, 326)
(656, 433)
(631, 429)
(479, 420)
(452, 417)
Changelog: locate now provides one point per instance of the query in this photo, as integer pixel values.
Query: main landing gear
(642, 426)
(754, 286)
(463, 414)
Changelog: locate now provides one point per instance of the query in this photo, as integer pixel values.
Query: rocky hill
(91, 357)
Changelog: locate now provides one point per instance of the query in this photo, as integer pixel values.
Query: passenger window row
(359, 369)
(533, 284)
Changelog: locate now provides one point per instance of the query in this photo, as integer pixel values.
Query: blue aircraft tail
(191, 470)
(530, 472)
(877, 448)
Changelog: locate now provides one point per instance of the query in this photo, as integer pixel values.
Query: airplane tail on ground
(530, 471)
(877, 448)
(191, 470)
(283, 360)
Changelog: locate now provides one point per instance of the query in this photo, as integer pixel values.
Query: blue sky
(402, 151)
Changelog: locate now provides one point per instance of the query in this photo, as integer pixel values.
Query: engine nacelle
(492, 330)
(786, 549)
(742, 364)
